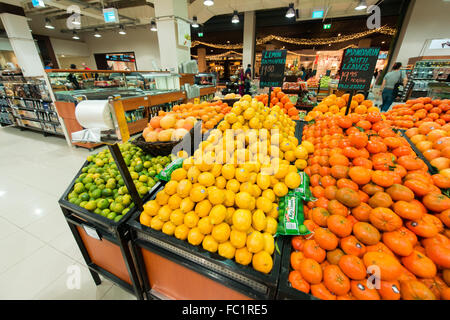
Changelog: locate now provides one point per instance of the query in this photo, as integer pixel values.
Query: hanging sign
(111, 15)
(38, 3)
(184, 33)
(272, 68)
(357, 68)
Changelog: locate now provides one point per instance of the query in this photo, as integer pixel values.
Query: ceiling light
(361, 5)
(291, 12)
(48, 24)
(96, 34)
(339, 34)
(122, 30)
(208, 3)
(153, 26)
(195, 24)
(76, 21)
(235, 18)
(383, 41)
(75, 36)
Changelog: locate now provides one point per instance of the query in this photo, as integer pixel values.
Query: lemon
(243, 199)
(184, 188)
(242, 219)
(274, 212)
(192, 174)
(221, 232)
(181, 232)
(269, 243)
(187, 205)
(210, 244)
(229, 198)
(301, 152)
(280, 189)
(203, 208)
(233, 185)
(238, 238)
(242, 175)
(169, 228)
(259, 221)
(178, 174)
(229, 216)
(177, 217)
(228, 171)
(243, 256)
(263, 181)
(292, 180)
(162, 197)
(174, 201)
(281, 171)
(198, 193)
(164, 213)
(269, 194)
(205, 226)
(227, 250)
(195, 237)
(255, 242)
(206, 179)
(272, 225)
(301, 164)
(221, 182)
(262, 262)
(264, 204)
(145, 219)
(308, 146)
(216, 196)
(156, 223)
(190, 219)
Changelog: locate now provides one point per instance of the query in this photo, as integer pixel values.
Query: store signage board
(327, 26)
(357, 68)
(38, 3)
(272, 68)
(91, 232)
(440, 44)
(184, 33)
(111, 15)
(317, 14)
(200, 34)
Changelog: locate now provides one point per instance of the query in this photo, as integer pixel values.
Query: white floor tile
(49, 227)
(117, 293)
(65, 243)
(7, 228)
(16, 247)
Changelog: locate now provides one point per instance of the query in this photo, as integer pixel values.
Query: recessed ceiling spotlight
(194, 24)
(383, 42)
(291, 12)
(361, 5)
(75, 36)
(208, 3)
(97, 34)
(122, 30)
(235, 18)
(339, 34)
(153, 26)
(48, 24)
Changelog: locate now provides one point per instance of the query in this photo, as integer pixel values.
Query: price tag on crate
(91, 232)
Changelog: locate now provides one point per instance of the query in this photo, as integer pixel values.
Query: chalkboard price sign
(357, 68)
(272, 68)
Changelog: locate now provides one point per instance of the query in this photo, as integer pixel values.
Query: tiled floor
(38, 254)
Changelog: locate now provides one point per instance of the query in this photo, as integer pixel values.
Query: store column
(249, 40)
(201, 59)
(173, 33)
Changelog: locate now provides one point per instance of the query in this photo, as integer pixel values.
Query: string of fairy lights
(298, 41)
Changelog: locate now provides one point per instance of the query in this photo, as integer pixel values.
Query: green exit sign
(327, 26)
(200, 34)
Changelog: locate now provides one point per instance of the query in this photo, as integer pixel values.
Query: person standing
(248, 79)
(85, 67)
(73, 79)
(392, 80)
(241, 79)
(49, 65)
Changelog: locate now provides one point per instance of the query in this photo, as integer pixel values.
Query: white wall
(429, 20)
(141, 40)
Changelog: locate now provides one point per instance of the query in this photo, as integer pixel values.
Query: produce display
(332, 105)
(415, 112)
(279, 98)
(312, 82)
(224, 198)
(174, 125)
(100, 187)
(380, 221)
(324, 81)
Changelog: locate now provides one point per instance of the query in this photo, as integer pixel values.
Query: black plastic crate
(285, 290)
(242, 278)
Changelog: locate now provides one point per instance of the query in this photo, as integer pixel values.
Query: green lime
(151, 183)
(91, 206)
(119, 199)
(106, 192)
(99, 163)
(303, 229)
(73, 200)
(105, 212)
(73, 194)
(82, 176)
(126, 200)
(143, 178)
(102, 204)
(147, 164)
(152, 173)
(79, 188)
(98, 211)
(134, 175)
(121, 182)
(87, 186)
(78, 201)
(117, 218)
(97, 193)
(84, 196)
(90, 158)
(143, 190)
(84, 170)
(87, 180)
(83, 204)
(111, 215)
(91, 170)
(99, 181)
(125, 211)
(118, 208)
(101, 186)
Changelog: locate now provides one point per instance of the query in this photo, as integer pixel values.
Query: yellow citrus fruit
(188, 163)
(145, 219)
(151, 208)
(301, 164)
(262, 262)
(203, 208)
(269, 243)
(195, 237)
(162, 197)
(227, 250)
(256, 191)
(229, 198)
(308, 145)
(301, 152)
(181, 232)
(171, 187)
(231, 117)
(264, 204)
(174, 201)
(217, 214)
(242, 219)
(259, 221)
(221, 182)
(177, 217)
(242, 175)
(238, 238)
(274, 212)
(290, 156)
(281, 171)
(228, 171)
(178, 174)
(292, 180)
(187, 205)
(204, 225)
(273, 181)
(216, 196)
(190, 219)
(210, 244)
(255, 242)
(164, 213)
(280, 189)
(243, 256)
(243, 200)
(184, 188)
(272, 225)
(206, 179)
(233, 185)
(198, 193)
(221, 232)
(229, 216)
(286, 145)
(246, 187)
(156, 223)
(169, 228)
(193, 174)
(263, 181)
(269, 194)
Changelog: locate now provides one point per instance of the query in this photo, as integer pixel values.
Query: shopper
(49, 65)
(85, 67)
(392, 80)
(248, 79)
(241, 80)
(303, 74)
(73, 79)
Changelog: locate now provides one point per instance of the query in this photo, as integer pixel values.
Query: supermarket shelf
(40, 130)
(31, 109)
(31, 99)
(37, 120)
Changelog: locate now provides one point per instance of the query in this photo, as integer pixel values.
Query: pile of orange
(415, 112)
(380, 225)
(333, 105)
(279, 98)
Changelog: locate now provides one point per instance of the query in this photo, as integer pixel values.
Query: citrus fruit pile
(100, 187)
(279, 98)
(174, 125)
(433, 140)
(380, 225)
(415, 112)
(337, 105)
(224, 197)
